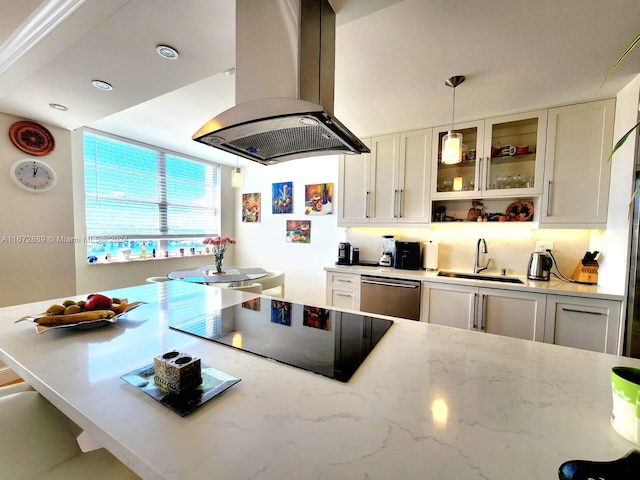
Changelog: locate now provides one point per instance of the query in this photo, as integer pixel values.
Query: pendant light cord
(453, 109)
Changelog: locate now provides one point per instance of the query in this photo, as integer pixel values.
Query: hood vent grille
(272, 128)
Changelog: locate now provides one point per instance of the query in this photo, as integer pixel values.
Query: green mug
(625, 415)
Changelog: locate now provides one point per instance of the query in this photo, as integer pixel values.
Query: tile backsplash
(509, 245)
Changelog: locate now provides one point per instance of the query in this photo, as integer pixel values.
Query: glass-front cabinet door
(501, 157)
(514, 154)
(460, 180)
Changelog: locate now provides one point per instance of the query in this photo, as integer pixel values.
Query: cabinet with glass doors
(502, 157)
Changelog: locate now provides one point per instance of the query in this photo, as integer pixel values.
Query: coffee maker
(344, 253)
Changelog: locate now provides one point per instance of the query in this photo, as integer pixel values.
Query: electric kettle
(540, 265)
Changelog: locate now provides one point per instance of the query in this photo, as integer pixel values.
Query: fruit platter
(96, 311)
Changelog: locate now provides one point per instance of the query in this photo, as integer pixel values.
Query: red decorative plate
(32, 138)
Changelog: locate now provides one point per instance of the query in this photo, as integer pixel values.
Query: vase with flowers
(219, 246)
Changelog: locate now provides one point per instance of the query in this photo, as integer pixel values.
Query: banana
(88, 316)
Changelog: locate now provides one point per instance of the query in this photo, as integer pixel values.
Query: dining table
(427, 401)
(207, 274)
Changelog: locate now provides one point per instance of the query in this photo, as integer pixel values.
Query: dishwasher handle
(390, 283)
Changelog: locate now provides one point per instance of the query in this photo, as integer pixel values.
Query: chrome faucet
(476, 267)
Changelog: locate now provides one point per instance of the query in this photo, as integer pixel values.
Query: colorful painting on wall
(298, 231)
(251, 207)
(316, 317)
(281, 312)
(253, 304)
(282, 197)
(318, 199)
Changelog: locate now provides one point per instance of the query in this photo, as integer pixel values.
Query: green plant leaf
(622, 140)
(620, 59)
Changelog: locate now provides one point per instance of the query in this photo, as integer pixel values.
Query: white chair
(39, 442)
(252, 287)
(157, 279)
(274, 282)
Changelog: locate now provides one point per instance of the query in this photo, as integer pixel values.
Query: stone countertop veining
(428, 402)
(553, 286)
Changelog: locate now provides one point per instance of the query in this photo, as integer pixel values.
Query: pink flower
(220, 244)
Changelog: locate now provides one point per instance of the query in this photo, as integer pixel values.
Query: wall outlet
(544, 245)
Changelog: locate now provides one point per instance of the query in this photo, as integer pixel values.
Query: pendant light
(452, 141)
(236, 176)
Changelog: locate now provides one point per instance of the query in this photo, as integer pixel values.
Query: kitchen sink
(479, 276)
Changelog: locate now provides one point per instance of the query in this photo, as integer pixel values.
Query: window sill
(119, 260)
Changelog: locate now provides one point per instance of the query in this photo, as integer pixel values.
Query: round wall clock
(31, 138)
(33, 175)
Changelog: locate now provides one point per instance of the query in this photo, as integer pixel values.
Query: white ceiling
(392, 58)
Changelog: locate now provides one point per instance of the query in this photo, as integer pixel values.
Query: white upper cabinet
(502, 157)
(577, 173)
(391, 184)
(355, 173)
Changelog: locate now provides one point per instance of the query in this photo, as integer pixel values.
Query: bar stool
(39, 442)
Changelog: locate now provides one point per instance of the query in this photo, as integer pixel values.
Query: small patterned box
(177, 372)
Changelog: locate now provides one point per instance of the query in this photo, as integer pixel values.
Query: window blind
(139, 191)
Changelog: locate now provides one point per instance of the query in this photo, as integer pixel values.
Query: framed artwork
(281, 312)
(298, 231)
(282, 197)
(251, 207)
(318, 199)
(316, 317)
(253, 304)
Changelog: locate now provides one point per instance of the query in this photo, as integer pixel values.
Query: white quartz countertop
(553, 286)
(429, 401)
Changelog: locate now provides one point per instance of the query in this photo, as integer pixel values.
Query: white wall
(35, 271)
(614, 241)
(263, 244)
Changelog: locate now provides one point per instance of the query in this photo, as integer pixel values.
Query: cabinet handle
(475, 311)
(486, 174)
(366, 205)
(582, 311)
(395, 203)
(348, 295)
(482, 299)
(548, 212)
(400, 202)
(342, 280)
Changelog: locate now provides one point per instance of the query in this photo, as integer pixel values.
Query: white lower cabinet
(586, 323)
(491, 310)
(343, 290)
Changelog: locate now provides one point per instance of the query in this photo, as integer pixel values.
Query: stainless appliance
(344, 253)
(284, 86)
(388, 244)
(390, 296)
(632, 327)
(407, 256)
(540, 265)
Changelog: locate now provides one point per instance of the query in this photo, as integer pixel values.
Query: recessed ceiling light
(167, 52)
(101, 85)
(57, 106)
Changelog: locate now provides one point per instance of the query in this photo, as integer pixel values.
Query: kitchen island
(428, 401)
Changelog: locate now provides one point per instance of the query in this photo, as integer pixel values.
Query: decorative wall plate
(31, 138)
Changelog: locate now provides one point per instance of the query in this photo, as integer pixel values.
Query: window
(142, 201)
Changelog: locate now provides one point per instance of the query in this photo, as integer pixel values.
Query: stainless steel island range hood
(284, 85)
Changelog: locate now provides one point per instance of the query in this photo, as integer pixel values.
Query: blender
(388, 244)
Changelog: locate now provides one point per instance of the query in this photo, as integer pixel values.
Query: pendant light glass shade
(452, 148)
(452, 141)
(236, 178)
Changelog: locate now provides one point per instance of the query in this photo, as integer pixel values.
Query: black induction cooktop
(320, 340)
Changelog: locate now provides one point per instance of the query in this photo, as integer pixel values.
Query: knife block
(586, 273)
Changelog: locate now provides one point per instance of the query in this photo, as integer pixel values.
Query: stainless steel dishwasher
(390, 296)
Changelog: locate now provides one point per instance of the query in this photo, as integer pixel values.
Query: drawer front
(343, 281)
